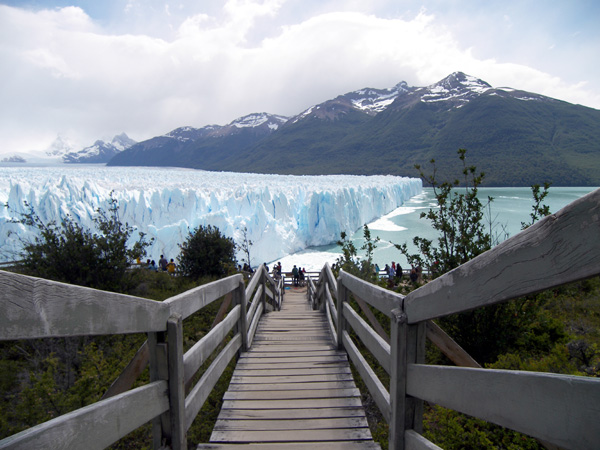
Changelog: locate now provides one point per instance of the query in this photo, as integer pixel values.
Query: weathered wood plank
(351, 434)
(331, 319)
(341, 369)
(195, 299)
(308, 385)
(284, 404)
(291, 394)
(97, 425)
(324, 352)
(134, 369)
(254, 281)
(178, 436)
(449, 347)
(344, 445)
(296, 379)
(378, 297)
(376, 388)
(253, 359)
(291, 348)
(291, 413)
(202, 389)
(560, 409)
(373, 341)
(291, 365)
(253, 305)
(558, 249)
(34, 308)
(254, 324)
(290, 424)
(414, 441)
(195, 356)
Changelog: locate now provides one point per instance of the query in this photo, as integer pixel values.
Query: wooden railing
(558, 410)
(36, 308)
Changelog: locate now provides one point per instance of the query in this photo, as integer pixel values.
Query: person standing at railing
(295, 275)
(162, 263)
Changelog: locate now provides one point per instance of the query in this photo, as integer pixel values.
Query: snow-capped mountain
(59, 147)
(367, 100)
(100, 152)
(457, 90)
(193, 147)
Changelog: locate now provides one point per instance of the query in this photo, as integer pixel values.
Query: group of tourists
(298, 276)
(394, 273)
(163, 265)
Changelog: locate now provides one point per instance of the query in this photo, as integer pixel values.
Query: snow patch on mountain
(458, 88)
(373, 101)
(272, 121)
(100, 152)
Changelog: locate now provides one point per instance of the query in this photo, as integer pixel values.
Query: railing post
(341, 323)
(263, 282)
(159, 371)
(176, 383)
(398, 350)
(407, 347)
(240, 299)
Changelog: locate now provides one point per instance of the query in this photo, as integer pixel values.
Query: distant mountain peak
(100, 151)
(367, 100)
(457, 87)
(60, 146)
(273, 121)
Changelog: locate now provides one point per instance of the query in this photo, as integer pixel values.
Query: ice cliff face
(283, 214)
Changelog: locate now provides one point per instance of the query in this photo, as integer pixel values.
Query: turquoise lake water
(510, 207)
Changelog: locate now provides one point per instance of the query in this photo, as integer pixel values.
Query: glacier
(283, 214)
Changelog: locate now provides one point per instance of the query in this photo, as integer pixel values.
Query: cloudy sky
(91, 69)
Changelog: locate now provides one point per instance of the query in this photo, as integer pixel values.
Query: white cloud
(63, 73)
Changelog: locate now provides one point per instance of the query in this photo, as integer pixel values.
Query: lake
(510, 207)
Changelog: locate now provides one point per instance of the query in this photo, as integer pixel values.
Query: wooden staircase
(293, 389)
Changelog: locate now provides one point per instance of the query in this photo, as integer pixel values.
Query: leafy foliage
(206, 252)
(351, 263)
(539, 210)
(459, 220)
(485, 333)
(74, 254)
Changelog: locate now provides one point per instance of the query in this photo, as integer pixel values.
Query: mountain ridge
(518, 138)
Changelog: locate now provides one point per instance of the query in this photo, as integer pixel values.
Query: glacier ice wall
(283, 214)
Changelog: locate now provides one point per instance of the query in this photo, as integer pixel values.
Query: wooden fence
(558, 410)
(38, 308)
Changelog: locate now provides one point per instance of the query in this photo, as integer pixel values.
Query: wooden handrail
(37, 308)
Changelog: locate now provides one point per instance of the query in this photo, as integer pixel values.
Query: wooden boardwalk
(293, 389)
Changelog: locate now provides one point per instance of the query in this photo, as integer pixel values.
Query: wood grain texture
(195, 299)
(34, 308)
(205, 385)
(560, 409)
(293, 385)
(195, 356)
(378, 297)
(343, 445)
(97, 425)
(560, 248)
(372, 340)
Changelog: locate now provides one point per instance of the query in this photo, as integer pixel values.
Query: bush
(74, 254)
(206, 252)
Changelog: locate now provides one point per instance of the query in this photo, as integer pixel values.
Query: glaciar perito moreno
(283, 214)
